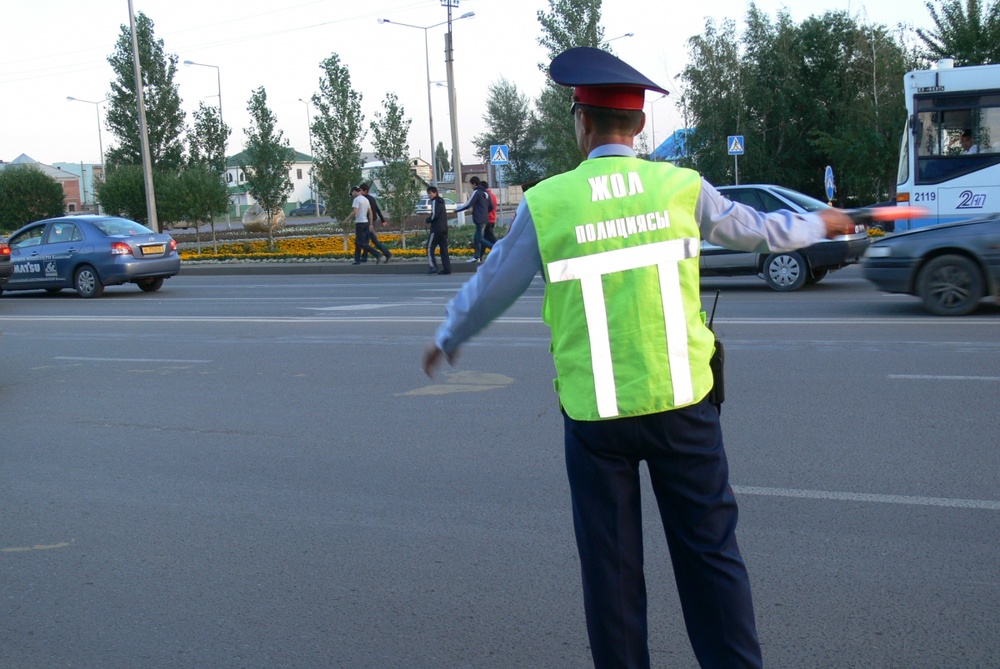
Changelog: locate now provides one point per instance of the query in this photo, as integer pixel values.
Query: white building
(299, 173)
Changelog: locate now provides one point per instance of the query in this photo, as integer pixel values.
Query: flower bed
(340, 246)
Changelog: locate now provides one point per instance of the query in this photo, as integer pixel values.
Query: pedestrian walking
(488, 235)
(437, 238)
(481, 205)
(376, 215)
(617, 239)
(361, 215)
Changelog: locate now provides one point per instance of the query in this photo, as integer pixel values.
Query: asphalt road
(251, 471)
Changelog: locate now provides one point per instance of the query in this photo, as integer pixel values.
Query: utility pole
(453, 108)
(147, 164)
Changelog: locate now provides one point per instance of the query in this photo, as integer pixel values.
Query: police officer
(616, 237)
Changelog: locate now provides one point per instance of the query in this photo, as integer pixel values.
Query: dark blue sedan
(87, 253)
(951, 267)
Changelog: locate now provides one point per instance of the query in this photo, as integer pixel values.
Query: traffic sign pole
(499, 155)
(735, 147)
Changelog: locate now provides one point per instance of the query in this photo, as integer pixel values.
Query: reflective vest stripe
(590, 268)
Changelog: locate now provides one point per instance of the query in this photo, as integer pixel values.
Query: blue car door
(26, 252)
(63, 243)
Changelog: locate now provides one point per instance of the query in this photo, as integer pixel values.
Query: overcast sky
(52, 49)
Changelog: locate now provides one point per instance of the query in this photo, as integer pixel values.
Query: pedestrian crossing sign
(735, 144)
(499, 155)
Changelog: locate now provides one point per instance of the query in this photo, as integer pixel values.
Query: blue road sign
(828, 181)
(499, 155)
(735, 144)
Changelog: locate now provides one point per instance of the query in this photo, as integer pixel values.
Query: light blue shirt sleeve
(741, 228)
(515, 260)
(499, 281)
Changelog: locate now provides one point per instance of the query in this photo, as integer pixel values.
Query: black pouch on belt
(717, 395)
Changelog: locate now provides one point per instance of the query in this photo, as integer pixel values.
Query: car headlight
(878, 251)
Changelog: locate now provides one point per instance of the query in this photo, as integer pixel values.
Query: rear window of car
(121, 227)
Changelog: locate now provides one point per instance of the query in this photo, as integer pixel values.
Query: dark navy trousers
(684, 454)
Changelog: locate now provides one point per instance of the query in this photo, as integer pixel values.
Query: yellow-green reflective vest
(619, 246)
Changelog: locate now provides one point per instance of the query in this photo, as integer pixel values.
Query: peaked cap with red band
(601, 79)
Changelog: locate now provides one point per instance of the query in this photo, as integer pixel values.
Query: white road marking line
(932, 377)
(355, 307)
(867, 497)
(67, 357)
(249, 319)
(922, 322)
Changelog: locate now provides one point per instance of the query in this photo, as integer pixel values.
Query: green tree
(568, 24)
(825, 92)
(164, 116)
(714, 96)
(398, 185)
(207, 149)
(859, 134)
(122, 192)
(27, 194)
(510, 121)
(207, 139)
(442, 163)
(338, 129)
(969, 34)
(268, 157)
(204, 196)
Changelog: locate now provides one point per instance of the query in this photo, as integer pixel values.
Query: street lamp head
(70, 97)
(467, 15)
(189, 62)
(383, 20)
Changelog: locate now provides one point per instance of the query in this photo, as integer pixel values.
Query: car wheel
(150, 285)
(950, 285)
(816, 276)
(87, 282)
(785, 271)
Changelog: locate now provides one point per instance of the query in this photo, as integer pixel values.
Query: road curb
(201, 268)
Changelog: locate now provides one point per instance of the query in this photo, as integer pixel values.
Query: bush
(26, 195)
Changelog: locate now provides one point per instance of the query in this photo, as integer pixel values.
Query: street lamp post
(100, 141)
(614, 38)
(312, 159)
(218, 81)
(652, 119)
(427, 60)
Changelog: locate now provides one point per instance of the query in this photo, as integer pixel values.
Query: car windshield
(810, 204)
(121, 226)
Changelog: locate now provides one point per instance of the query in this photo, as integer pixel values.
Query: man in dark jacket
(438, 237)
(481, 205)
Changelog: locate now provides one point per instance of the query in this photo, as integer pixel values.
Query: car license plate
(153, 250)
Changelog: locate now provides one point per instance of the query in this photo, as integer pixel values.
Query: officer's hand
(837, 223)
(435, 357)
